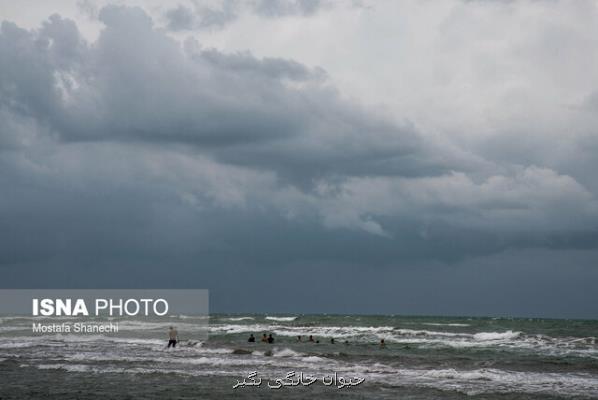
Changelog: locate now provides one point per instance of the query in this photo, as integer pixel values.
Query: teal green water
(423, 358)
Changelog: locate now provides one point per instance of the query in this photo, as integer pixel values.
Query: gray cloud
(183, 18)
(281, 7)
(137, 151)
(180, 18)
(199, 16)
(321, 155)
(135, 83)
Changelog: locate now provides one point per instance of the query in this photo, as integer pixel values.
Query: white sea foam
(182, 316)
(220, 361)
(238, 328)
(286, 352)
(282, 319)
(213, 350)
(239, 318)
(412, 332)
(476, 381)
(487, 336)
(495, 380)
(210, 361)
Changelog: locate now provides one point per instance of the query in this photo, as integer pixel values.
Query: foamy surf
(240, 319)
(281, 319)
(491, 336)
(471, 382)
(489, 358)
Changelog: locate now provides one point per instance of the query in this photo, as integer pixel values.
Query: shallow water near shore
(424, 358)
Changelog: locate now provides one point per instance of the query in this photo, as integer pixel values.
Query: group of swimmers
(265, 339)
(270, 339)
(173, 337)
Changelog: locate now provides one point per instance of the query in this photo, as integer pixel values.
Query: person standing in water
(251, 338)
(270, 339)
(264, 338)
(173, 337)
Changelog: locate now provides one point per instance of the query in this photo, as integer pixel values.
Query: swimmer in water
(173, 337)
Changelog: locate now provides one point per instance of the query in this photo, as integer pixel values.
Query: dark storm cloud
(321, 154)
(137, 84)
(133, 153)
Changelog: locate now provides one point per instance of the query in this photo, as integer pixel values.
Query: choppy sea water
(424, 358)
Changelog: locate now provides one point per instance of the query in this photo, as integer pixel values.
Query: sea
(422, 358)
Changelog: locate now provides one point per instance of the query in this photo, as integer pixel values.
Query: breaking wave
(240, 318)
(470, 382)
(281, 319)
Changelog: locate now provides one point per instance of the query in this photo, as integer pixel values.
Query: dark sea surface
(424, 358)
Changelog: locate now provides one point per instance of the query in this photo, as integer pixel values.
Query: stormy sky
(305, 156)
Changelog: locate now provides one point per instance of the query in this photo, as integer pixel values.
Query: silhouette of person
(173, 337)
